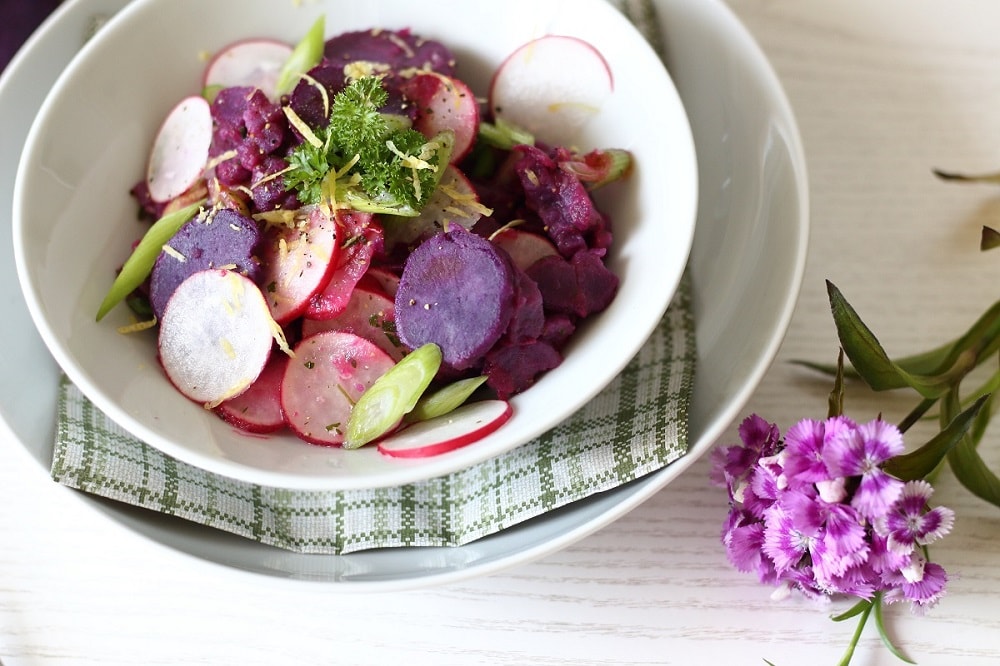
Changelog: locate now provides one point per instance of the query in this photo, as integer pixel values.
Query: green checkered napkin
(637, 425)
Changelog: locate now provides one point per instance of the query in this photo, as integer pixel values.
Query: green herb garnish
(366, 159)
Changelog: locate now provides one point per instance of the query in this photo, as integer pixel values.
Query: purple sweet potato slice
(528, 319)
(579, 286)
(400, 49)
(562, 202)
(511, 368)
(221, 238)
(457, 290)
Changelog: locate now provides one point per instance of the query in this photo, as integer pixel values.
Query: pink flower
(860, 451)
(909, 524)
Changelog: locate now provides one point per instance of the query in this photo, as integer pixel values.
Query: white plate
(747, 263)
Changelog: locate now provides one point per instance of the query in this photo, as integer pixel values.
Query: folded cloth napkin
(636, 425)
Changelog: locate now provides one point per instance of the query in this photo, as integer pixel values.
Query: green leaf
(872, 362)
(968, 178)
(137, 267)
(919, 463)
(880, 625)
(972, 472)
(990, 239)
(853, 611)
(864, 611)
(836, 399)
(306, 55)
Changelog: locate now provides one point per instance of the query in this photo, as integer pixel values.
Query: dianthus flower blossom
(817, 513)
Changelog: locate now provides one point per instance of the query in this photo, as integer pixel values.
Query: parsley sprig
(366, 159)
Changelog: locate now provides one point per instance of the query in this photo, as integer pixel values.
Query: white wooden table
(883, 91)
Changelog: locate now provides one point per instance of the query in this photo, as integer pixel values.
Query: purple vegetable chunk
(528, 319)
(456, 290)
(306, 99)
(578, 287)
(514, 367)
(220, 238)
(571, 219)
(400, 49)
(249, 123)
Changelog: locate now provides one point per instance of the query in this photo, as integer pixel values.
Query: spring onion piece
(138, 266)
(383, 405)
(445, 400)
(306, 55)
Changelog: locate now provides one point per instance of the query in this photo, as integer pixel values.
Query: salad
(347, 243)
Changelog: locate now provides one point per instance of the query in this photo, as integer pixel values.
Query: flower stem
(849, 654)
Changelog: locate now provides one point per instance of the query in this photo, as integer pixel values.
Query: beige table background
(884, 91)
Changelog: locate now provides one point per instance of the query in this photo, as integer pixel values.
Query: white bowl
(74, 219)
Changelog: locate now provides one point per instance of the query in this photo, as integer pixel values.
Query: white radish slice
(180, 150)
(551, 87)
(524, 247)
(297, 263)
(370, 314)
(323, 381)
(250, 62)
(258, 409)
(441, 434)
(455, 201)
(215, 336)
(444, 103)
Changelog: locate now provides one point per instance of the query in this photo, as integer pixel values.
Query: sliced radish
(441, 434)
(180, 150)
(455, 201)
(329, 372)
(379, 278)
(250, 62)
(444, 103)
(551, 87)
(370, 314)
(298, 263)
(258, 409)
(361, 239)
(215, 336)
(524, 247)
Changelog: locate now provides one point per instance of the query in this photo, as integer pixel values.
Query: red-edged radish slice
(441, 434)
(361, 239)
(378, 278)
(298, 263)
(551, 87)
(370, 314)
(258, 409)
(323, 381)
(524, 247)
(180, 150)
(250, 62)
(444, 103)
(215, 336)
